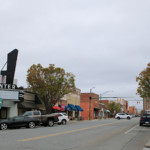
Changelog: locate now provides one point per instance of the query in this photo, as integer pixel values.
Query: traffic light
(138, 102)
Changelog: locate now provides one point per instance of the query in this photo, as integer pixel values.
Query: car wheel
(50, 123)
(3, 126)
(141, 124)
(31, 125)
(118, 118)
(64, 122)
(128, 118)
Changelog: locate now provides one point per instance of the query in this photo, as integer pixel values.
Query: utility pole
(90, 98)
(100, 106)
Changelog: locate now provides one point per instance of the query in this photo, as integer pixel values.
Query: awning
(62, 107)
(72, 107)
(56, 108)
(78, 108)
(27, 105)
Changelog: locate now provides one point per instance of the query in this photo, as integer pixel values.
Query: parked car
(62, 118)
(17, 122)
(144, 119)
(123, 116)
(46, 120)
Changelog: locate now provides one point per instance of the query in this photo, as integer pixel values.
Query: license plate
(147, 122)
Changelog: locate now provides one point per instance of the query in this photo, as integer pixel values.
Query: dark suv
(145, 119)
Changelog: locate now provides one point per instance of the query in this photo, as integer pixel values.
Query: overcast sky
(104, 43)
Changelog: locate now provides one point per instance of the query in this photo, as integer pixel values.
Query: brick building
(146, 104)
(132, 110)
(85, 104)
(125, 106)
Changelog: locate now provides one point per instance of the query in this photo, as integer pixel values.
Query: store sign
(21, 95)
(0, 103)
(7, 86)
(12, 95)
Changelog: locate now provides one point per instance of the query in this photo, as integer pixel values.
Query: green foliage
(51, 83)
(144, 82)
(114, 106)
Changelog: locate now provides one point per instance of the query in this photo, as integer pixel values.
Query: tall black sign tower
(11, 66)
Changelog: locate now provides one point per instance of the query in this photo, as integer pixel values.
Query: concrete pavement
(147, 146)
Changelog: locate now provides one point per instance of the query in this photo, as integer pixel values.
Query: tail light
(140, 118)
(57, 116)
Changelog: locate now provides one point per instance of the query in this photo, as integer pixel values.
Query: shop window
(3, 113)
(69, 113)
(76, 114)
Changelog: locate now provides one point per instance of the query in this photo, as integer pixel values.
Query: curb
(147, 146)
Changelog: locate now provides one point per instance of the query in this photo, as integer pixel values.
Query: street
(81, 135)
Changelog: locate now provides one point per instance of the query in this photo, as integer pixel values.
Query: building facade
(132, 110)
(91, 109)
(71, 101)
(146, 104)
(125, 106)
(10, 97)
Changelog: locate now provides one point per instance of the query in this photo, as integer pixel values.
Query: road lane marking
(131, 129)
(62, 133)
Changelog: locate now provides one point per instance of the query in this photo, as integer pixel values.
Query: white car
(63, 118)
(123, 116)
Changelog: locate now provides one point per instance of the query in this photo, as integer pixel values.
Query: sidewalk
(147, 146)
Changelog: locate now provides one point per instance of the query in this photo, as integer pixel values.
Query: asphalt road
(83, 135)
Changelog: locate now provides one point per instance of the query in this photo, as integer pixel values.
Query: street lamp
(90, 98)
(100, 97)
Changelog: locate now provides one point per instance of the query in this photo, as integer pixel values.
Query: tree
(144, 82)
(50, 84)
(112, 106)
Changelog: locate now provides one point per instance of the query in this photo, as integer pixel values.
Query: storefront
(9, 102)
(9, 109)
(96, 113)
(10, 96)
(31, 102)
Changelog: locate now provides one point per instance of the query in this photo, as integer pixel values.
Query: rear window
(146, 115)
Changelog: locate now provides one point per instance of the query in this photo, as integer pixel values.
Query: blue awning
(72, 107)
(78, 108)
(67, 108)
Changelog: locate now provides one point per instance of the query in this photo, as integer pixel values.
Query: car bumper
(145, 122)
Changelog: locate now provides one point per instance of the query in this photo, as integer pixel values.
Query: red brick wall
(84, 103)
(132, 110)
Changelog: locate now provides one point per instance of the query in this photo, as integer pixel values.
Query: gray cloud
(103, 43)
